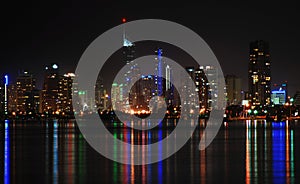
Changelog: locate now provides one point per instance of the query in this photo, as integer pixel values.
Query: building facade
(49, 95)
(259, 73)
(27, 96)
(234, 90)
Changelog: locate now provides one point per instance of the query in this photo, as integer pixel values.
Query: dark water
(242, 152)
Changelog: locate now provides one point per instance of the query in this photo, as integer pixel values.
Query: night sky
(34, 34)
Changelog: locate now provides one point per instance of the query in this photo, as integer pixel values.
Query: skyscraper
(202, 87)
(212, 85)
(234, 88)
(130, 75)
(2, 96)
(27, 95)
(50, 89)
(64, 104)
(259, 73)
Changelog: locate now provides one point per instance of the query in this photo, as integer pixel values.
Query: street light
(255, 112)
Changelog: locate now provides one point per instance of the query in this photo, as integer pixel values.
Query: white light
(54, 66)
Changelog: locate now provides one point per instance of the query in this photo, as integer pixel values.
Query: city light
(6, 79)
(55, 66)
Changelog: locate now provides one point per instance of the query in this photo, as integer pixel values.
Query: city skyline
(58, 36)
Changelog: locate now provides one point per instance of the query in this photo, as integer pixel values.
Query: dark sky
(34, 34)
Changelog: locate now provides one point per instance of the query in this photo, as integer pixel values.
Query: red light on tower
(123, 20)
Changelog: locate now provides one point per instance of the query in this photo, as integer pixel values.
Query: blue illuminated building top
(6, 79)
(278, 97)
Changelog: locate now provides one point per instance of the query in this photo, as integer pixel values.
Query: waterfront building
(259, 73)
(233, 89)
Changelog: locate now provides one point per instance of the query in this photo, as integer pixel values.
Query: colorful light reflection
(6, 153)
(278, 152)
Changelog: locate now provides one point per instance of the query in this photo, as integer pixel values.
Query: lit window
(255, 78)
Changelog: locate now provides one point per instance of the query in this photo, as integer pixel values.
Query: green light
(114, 84)
(249, 111)
(81, 93)
(255, 112)
(292, 99)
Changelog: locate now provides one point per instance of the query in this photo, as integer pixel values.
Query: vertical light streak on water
(128, 157)
(167, 161)
(124, 151)
(47, 155)
(6, 153)
(115, 165)
(70, 152)
(226, 150)
(160, 149)
(287, 153)
(132, 174)
(144, 176)
(202, 160)
(81, 159)
(255, 151)
(248, 151)
(278, 141)
(55, 151)
(266, 145)
(192, 175)
(149, 169)
(292, 158)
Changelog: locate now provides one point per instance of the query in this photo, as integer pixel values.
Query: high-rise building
(117, 96)
(234, 89)
(12, 98)
(259, 73)
(101, 96)
(27, 97)
(202, 88)
(64, 104)
(212, 86)
(159, 76)
(283, 87)
(49, 97)
(187, 87)
(297, 98)
(170, 90)
(2, 98)
(131, 75)
(278, 97)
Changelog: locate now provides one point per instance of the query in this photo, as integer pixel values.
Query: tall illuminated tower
(50, 89)
(131, 75)
(5, 95)
(159, 72)
(65, 85)
(27, 96)
(202, 87)
(259, 73)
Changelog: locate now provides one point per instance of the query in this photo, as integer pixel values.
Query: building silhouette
(259, 73)
(49, 97)
(64, 104)
(27, 96)
(233, 89)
